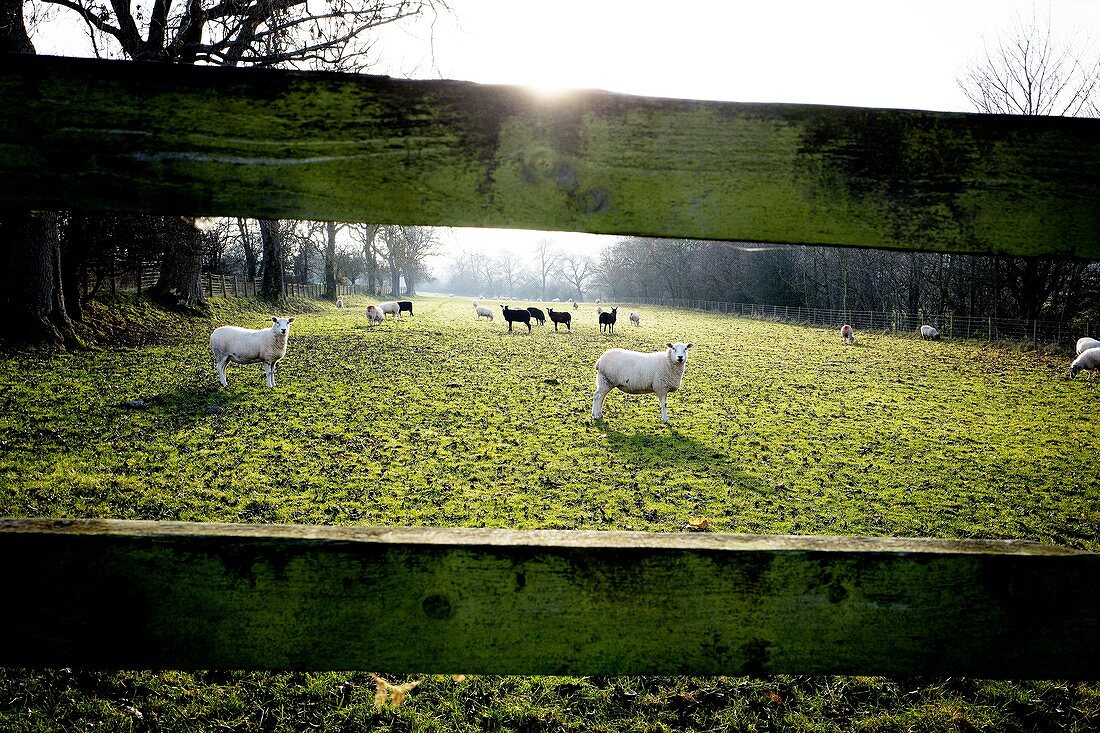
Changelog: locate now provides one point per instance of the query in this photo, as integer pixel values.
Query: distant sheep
(404, 306)
(391, 307)
(561, 317)
(517, 315)
(598, 301)
(476, 304)
(928, 332)
(607, 320)
(576, 305)
(340, 304)
(374, 315)
(1087, 360)
(249, 346)
(635, 318)
(1086, 343)
(599, 310)
(633, 372)
(482, 310)
(556, 300)
(538, 315)
(848, 334)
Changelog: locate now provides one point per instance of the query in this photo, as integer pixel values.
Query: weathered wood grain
(101, 593)
(98, 135)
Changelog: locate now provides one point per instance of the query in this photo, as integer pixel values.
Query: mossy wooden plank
(102, 593)
(99, 135)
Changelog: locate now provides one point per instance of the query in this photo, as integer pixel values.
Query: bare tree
(1032, 70)
(578, 271)
(366, 236)
(507, 266)
(546, 262)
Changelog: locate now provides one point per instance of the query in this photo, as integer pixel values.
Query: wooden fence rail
(92, 135)
(149, 594)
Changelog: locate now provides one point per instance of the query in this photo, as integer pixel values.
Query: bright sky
(868, 53)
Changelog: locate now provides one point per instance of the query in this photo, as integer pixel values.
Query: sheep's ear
(274, 319)
(685, 348)
(291, 320)
(669, 345)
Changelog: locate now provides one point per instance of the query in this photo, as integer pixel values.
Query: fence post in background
(1035, 332)
(989, 330)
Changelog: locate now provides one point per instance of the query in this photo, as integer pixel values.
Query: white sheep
(1086, 343)
(928, 332)
(340, 304)
(633, 372)
(485, 311)
(248, 346)
(391, 307)
(374, 315)
(635, 318)
(1087, 360)
(848, 334)
(476, 304)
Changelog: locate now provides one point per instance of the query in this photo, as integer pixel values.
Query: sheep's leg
(663, 397)
(528, 327)
(603, 386)
(219, 367)
(269, 372)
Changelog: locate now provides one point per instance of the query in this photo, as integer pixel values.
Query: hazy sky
(869, 53)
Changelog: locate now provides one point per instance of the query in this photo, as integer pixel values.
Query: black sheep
(405, 305)
(608, 320)
(517, 315)
(563, 317)
(537, 314)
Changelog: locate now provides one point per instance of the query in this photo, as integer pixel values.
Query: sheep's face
(281, 326)
(678, 352)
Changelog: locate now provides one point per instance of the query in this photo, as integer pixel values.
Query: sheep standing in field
(635, 318)
(561, 317)
(928, 332)
(607, 320)
(405, 305)
(1088, 360)
(392, 307)
(482, 310)
(340, 304)
(633, 372)
(374, 315)
(847, 334)
(537, 314)
(576, 305)
(476, 304)
(1086, 343)
(517, 315)
(248, 346)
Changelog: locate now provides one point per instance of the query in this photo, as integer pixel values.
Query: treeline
(851, 279)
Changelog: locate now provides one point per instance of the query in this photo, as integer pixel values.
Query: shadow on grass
(193, 401)
(681, 452)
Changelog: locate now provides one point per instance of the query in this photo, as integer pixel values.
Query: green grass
(443, 420)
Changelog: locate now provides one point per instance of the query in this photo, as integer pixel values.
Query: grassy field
(443, 420)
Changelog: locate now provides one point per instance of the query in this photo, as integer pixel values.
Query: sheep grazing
(537, 314)
(405, 305)
(374, 315)
(1087, 360)
(248, 346)
(633, 372)
(927, 332)
(635, 318)
(607, 320)
(482, 310)
(476, 304)
(556, 300)
(576, 305)
(391, 307)
(340, 304)
(1086, 343)
(598, 301)
(561, 317)
(517, 315)
(847, 334)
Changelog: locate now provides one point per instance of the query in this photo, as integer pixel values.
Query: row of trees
(546, 274)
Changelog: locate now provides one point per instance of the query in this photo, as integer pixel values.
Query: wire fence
(986, 328)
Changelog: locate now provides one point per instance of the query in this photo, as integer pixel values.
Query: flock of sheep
(659, 372)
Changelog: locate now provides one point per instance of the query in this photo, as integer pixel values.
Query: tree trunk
(31, 289)
(180, 283)
(30, 246)
(410, 282)
(395, 278)
(272, 287)
(330, 260)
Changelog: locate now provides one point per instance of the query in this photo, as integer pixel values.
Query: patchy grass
(443, 420)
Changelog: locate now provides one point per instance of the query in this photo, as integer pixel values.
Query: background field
(443, 420)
